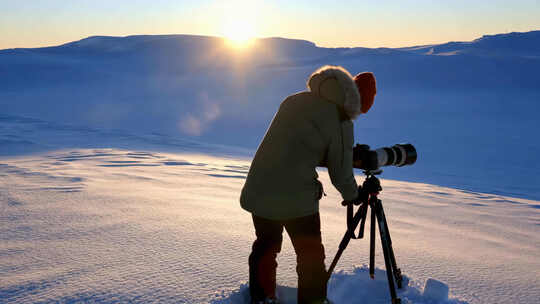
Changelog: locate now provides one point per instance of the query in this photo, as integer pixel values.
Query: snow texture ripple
(116, 226)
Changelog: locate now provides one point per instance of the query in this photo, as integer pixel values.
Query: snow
(122, 160)
(344, 288)
(472, 116)
(436, 290)
(116, 225)
(500, 45)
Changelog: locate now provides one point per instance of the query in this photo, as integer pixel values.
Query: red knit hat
(367, 87)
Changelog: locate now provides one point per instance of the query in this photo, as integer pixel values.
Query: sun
(239, 33)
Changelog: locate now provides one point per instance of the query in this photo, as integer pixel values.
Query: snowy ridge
(515, 44)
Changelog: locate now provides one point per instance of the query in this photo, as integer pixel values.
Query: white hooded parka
(310, 129)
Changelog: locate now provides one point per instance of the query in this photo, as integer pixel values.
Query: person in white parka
(310, 129)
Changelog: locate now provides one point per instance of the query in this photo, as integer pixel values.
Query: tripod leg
(395, 269)
(363, 210)
(349, 234)
(386, 250)
(344, 242)
(372, 245)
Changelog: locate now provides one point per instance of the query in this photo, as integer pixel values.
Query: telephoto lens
(398, 155)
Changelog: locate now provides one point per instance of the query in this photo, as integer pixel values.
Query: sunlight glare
(239, 33)
(239, 22)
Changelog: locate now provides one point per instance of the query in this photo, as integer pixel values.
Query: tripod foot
(396, 301)
(372, 276)
(399, 278)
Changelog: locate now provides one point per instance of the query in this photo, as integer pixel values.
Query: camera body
(371, 160)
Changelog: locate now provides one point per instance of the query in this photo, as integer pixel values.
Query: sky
(368, 23)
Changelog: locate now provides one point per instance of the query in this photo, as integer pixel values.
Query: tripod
(371, 188)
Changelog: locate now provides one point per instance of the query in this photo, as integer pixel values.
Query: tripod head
(372, 172)
(372, 185)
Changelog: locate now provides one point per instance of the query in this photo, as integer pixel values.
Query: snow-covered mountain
(470, 108)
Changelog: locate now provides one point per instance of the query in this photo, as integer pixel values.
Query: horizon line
(274, 37)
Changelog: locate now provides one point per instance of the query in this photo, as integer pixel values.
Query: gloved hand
(362, 197)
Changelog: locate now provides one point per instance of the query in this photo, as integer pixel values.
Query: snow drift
(356, 287)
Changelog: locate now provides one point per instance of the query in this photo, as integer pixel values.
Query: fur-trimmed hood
(336, 84)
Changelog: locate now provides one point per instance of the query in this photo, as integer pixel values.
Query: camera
(370, 160)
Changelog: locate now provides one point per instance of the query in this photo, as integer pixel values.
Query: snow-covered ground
(122, 160)
(114, 225)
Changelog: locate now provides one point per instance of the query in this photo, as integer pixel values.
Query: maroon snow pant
(305, 234)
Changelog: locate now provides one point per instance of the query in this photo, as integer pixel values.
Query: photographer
(311, 128)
